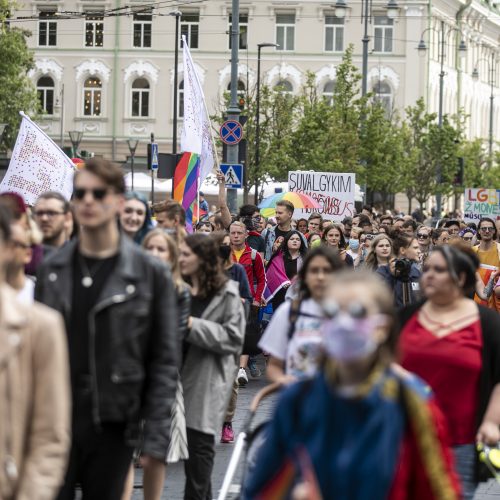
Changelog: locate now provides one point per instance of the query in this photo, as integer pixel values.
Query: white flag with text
(37, 165)
(196, 134)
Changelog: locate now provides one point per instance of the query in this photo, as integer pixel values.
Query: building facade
(107, 68)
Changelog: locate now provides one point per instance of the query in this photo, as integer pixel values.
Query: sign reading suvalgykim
(333, 191)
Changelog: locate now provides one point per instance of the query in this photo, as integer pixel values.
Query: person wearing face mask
(354, 250)
(135, 216)
(361, 428)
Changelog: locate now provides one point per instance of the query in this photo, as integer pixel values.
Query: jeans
(198, 467)
(465, 458)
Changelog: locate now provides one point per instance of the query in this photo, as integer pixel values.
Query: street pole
(233, 111)
(62, 117)
(177, 15)
(366, 40)
(152, 172)
(492, 98)
(257, 128)
(440, 114)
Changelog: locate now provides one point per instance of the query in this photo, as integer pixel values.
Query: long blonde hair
(173, 254)
(371, 261)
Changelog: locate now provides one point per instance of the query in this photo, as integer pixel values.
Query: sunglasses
(422, 236)
(487, 229)
(98, 194)
(370, 236)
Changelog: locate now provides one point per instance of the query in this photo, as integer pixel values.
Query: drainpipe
(458, 67)
(115, 82)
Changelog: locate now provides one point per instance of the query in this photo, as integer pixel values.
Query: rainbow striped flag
(186, 177)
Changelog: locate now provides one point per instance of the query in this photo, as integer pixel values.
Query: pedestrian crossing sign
(233, 174)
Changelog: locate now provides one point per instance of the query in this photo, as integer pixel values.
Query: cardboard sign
(333, 191)
(480, 202)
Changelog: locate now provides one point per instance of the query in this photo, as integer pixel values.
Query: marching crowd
(124, 342)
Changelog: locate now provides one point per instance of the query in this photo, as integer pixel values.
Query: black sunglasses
(98, 194)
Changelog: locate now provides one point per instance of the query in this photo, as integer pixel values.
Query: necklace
(440, 325)
(88, 279)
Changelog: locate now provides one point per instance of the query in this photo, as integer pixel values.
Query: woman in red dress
(454, 345)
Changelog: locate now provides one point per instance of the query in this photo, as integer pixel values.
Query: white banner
(334, 193)
(196, 136)
(481, 203)
(37, 165)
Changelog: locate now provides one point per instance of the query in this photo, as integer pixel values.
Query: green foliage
(17, 92)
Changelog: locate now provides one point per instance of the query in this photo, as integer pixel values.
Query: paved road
(175, 473)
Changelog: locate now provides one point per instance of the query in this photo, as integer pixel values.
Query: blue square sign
(233, 174)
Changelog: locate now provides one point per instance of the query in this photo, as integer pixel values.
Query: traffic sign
(154, 156)
(233, 174)
(231, 132)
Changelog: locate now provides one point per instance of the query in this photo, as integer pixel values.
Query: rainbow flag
(186, 177)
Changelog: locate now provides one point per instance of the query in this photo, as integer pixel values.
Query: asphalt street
(175, 473)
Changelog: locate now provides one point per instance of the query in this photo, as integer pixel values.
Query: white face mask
(347, 338)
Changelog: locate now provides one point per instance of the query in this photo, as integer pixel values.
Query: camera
(249, 222)
(402, 269)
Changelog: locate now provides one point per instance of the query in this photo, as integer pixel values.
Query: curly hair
(210, 274)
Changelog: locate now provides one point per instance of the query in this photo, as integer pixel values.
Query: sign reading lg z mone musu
(481, 203)
(334, 193)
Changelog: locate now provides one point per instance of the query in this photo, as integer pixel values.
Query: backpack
(294, 315)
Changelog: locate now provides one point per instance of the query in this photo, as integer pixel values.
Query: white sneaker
(242, 377)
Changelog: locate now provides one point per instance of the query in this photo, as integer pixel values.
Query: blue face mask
(353, 244)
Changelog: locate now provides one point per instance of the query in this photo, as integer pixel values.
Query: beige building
(117, 71)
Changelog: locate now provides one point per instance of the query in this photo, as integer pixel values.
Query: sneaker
(227, 435)
(254, 369)
(242, 377)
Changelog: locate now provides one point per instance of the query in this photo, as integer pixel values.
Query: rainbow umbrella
(299, 200)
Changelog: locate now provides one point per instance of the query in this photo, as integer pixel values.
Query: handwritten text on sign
(481, 203)
(334, 193)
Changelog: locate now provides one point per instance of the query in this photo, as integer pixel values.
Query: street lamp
(491, 83)
(177, 14)
(260, 46)
(75, 136)
(462, 52)
(366, 15)
(132, 146)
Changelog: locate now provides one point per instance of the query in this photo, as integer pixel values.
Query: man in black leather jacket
(121, 321)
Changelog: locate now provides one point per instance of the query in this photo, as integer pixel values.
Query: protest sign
(480, 202)
(333, 191)
(37, 165)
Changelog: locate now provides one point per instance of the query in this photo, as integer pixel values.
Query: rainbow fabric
(186, 177)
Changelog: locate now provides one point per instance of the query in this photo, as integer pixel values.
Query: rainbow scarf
(186, 177)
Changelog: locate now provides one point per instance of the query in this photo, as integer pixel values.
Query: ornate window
(140, 97)
(47, 29)
(284, 86)
(45, 90)
(142, 29)
(285, 31)
(92, 96)
(328, 90)
(382, 93)
(241, 89)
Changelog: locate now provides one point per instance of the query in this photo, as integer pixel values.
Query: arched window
(284, 86)
(92, 96)
(241, 89)
(180, 97)
(382, 93)
(140, 97)
(45, 90)
(328, 90)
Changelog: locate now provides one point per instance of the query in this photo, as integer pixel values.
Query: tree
(17, 92)
(433, 151)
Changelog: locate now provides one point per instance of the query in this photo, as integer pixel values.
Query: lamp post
(462, 51)
(260, 46)
(132, 146)
(366, 15)
(491, 83)
(75, 136)
(177, 14)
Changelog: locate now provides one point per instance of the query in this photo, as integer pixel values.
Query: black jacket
(138, 302)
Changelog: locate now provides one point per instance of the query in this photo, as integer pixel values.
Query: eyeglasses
(422, 236)
(48, 213)
(98, 194)
(487, 229)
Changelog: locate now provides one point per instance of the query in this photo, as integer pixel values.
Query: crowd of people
(124, 342)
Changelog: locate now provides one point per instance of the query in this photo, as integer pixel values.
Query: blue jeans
(465, 457)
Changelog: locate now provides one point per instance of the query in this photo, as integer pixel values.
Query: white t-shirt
(27, 294)
(303, 351)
